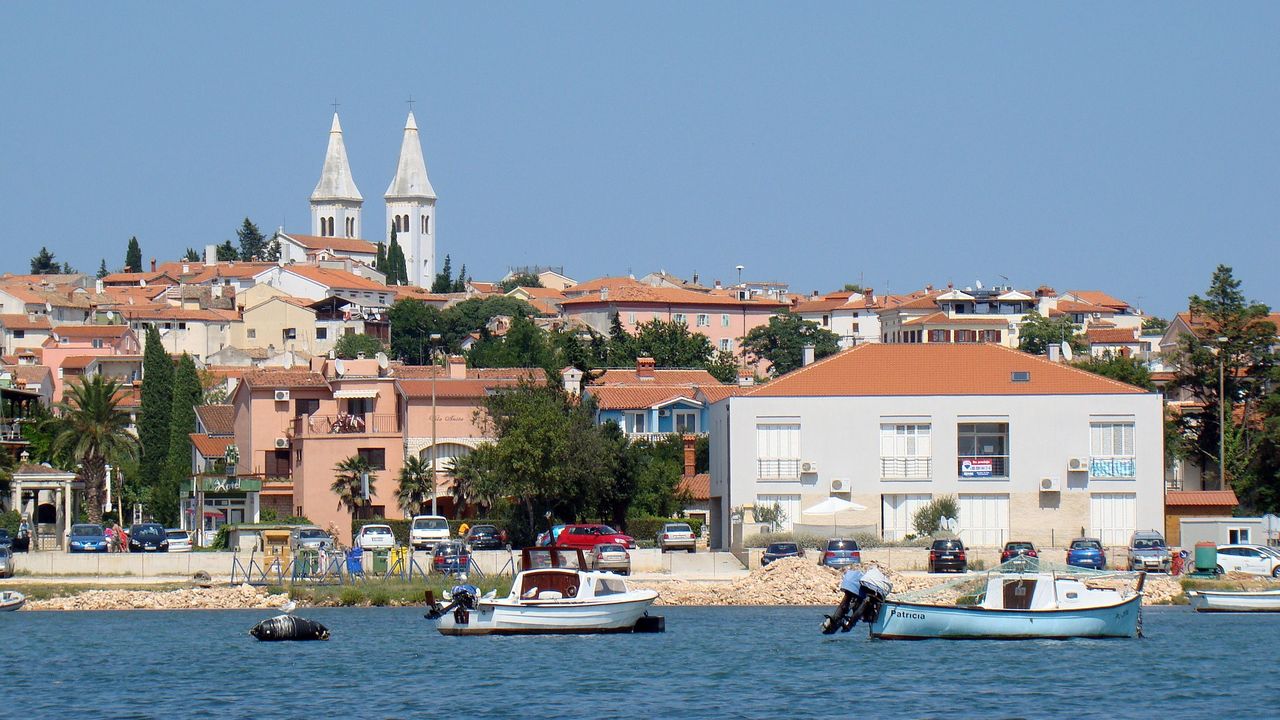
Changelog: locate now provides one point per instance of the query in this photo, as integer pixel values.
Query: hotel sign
(229, 484)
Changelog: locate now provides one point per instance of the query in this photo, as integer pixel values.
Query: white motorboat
(11, 600)
(554, 593)
(1234, 600)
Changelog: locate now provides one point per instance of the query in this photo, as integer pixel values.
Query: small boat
(1234, 600)
(553, 593)
(11, 600)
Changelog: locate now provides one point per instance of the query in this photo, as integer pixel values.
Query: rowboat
(11, 600)
(553, 594)
(1234, 601)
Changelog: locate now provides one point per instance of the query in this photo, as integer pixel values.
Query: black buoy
(288, 627)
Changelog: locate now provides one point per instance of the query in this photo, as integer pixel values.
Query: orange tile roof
(485, 287)
(1068, 306)
(20, 321)
(30, 374)
(131, 293)
(1105, 336)
(414, 292)
(235, 269)
(1097, 297)
(90, 332)
(613, 397)
(538, 292)
(927, 301)
(284, 378)
(1200, 321)
(217, 419)
(337, 244)
(339, 279)
(421, 372)
(820, 305)
(1201, 498)
(211, 447)
(716, 393)
(697, 487)
(876, 369)
(445, 388)
(594, 284)
(638, 294)
(77, 362)
(172, 312)
(629, 376)
(941, 318)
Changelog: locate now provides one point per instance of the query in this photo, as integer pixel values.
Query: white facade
(336, 201)
(411, 209)
(1118, 489)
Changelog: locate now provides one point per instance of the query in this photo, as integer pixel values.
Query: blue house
(648, 402)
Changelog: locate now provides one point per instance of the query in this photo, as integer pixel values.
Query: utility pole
(434, 451)
(1222, 414)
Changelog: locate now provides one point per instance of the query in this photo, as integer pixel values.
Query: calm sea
(711, 662)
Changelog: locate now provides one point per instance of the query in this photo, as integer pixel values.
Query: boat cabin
(1041, 591)
(560, 573)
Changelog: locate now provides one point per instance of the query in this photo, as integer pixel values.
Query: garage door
(984, 520)
(897, 513)
(790, 505)
(1113, 517)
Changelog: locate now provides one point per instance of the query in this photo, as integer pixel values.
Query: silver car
(1147, 551)
(611, 557)
(6, 562)
(309, 538)
(677, 536)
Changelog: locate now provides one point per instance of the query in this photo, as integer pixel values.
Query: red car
(587, 537)
(1016, 548)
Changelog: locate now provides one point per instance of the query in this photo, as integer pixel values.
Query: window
(376, 457)
(939, 336)
(359, 407)
(1111, 450)
(306, 406)
(679, 318)
(634, 422)
(290, 333)
(826, 320)
(19, 334)
(1238, 536)
(966, 336)
(631, 318)
(726, 344)
(322, 333)
(724, 321)
(686, 421)
(983, 450)
(277, 463)
(182, 326)
(906, 450)
(704, 321)
(778, 451)
(253, 333)
(990, 336)
(426, 224)
(97, 342)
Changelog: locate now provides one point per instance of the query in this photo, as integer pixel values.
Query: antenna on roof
(381, 357)
(340, 367)
(1066, 351)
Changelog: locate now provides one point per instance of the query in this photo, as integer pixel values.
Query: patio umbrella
(832, 506)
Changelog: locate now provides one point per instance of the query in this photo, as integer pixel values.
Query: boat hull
(12, 601)
(910, 621)
(551, 617)
(1226, 601)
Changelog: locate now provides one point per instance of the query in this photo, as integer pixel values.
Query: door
(984, 520)
(1112, 517)
(897, 513)
(790, 505)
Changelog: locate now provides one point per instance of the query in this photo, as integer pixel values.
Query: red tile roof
(937, 369)
(716, 393)
(337, 244)
(635, 293)
(1109, 336)
(697, 487)
(340, 279)
(284, 378)
(941, 318)
(624, 398)
(20, 321)
(445, 388)
(217, 419)
(425, 372)
(820, 305)
(1200, 498)
(211, 447)
(629, 376)
(1069, 306)
(90, 332)
(1097, 297)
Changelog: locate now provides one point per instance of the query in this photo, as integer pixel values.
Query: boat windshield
(545, 557)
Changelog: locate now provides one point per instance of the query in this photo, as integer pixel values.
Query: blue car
(840, 554)
(450, 558)
(88, 538)
(1087, 553)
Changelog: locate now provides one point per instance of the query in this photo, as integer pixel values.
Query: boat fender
(288, 627)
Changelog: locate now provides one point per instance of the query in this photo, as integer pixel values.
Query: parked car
(6, 561)
(428, 530)
(612, 557)
(309, 538)
(549, 538)
(6, 540)
(948, 555)
(587, 536)
(486, 537)
(375, 537)
(779, 550)
(1147, 551)
(1018, 548)
(841, 553)
(148, 537)
(87, 537)
(1250, 559)
(1087, 553)
(450, 556)
(179, 540)
(676, 536)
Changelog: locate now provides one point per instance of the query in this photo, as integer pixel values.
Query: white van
(427, 530)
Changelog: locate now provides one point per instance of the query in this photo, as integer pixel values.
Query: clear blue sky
(1129, 147)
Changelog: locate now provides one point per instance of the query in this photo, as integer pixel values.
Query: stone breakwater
(797, 581)
(234, 597)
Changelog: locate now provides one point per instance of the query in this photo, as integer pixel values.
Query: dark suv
(947, 556)
(148, 537)
(779, 550)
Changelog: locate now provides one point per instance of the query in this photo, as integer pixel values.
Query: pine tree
(43, 263)
(191, 255)
(227, 252)
(133, 256)
(182, 421)
(444, 278)
(102, 269)
(380, 260)
(460, 284)
(271, 253)
(157, 404)
(252, 243)
(67, 269)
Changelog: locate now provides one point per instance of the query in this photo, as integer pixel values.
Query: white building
(411, 209)
(336, 201)
(1032, 450)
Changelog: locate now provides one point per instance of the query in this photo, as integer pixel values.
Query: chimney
(604, 293)
(808, 355)
(153, 264)
(210, 254)
(719, 286)
(690, 455)
(695, 277)
(645, 367)
(457, 367)
(1054, 350)
(746, 378)
(98, 286)
(572, 378)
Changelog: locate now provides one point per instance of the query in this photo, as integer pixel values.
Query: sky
(1129, 147)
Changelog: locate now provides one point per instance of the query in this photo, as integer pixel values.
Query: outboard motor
(462, 598)
(862, 593)
(288, 627)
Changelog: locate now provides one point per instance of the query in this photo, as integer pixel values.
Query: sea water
(712, 662)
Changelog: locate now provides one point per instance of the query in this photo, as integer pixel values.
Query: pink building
(84, 341)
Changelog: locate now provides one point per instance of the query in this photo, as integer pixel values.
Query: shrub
(10, 520)
(379, 598)
(928, 519)
(350, 596)
(647, 527)
(807, 540)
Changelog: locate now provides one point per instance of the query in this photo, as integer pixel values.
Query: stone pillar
(67, 517)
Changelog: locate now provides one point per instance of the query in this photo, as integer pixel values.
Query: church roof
(411, 174)
(336, 182)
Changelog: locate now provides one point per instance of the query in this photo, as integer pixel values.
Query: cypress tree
(182, 421)
(460, 284)
(444, 278)
(396, 271)
(102, 269)
(380, 260)
(133, 256)
(157, 404)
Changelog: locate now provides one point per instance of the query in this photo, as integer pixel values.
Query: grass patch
(381, 594)
(48, 591)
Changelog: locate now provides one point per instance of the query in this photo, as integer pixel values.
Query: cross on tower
(335, 105)
(410, 102)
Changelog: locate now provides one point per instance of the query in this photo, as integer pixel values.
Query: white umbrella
(831, 506)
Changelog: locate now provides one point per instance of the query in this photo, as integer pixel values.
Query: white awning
(344, 394)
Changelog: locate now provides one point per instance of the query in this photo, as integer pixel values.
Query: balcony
(909, 468)
(983, 466)
(778, 468)
(312, 426)
(657, 436)
(1114, 467)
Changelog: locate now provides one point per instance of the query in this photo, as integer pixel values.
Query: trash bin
(355, 561)
(307, 563)
(1206, 557)
(380, 561)
(399, 560)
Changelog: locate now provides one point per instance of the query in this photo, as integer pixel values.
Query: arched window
(446, 454)
(351, 227)
(426, 227)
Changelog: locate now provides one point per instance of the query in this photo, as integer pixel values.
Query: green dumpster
(1206, 557)
(380, 561)
(306, 563)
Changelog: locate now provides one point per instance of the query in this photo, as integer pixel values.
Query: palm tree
(93, 429)
(416, 486)
(347, 484)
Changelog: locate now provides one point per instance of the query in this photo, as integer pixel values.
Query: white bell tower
(336, 202)
(411, 209)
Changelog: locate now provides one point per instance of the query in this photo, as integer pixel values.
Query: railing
(656, 436)
(10, 430)
(1119, 467)
(906, 467)
(981, 466)
(777, 468)
(344, 424)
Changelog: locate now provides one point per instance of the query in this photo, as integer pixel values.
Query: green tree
(524, 345)
(854, 288)
(380, 260)
(43, 263)
(253, 244)
(191, 255)
(157, 405)
(521, 279)
(226, 252)
(416, 488)
(93, 430)
(783, 339)
(271, 251)
(1118, 367)
(444, 278)
(187, 394)
(460, 283)
(133, 256)
(724, 367)
(928, 519)
(102, 269)
(397, 272)
(622, 349)
(1038, 332)
(671, 344)
(348, 485)
(413, 322)
(1154, 324)
(349, 347)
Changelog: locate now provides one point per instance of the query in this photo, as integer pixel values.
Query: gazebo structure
(48, 497)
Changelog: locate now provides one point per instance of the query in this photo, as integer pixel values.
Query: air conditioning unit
(1050, 484)
(1077, 464)
(808, 466)
(282, 396)
(664, 413)
(282, 443)
(839, 485)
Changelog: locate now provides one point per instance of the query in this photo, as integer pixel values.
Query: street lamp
(1222, 414)
(435, 338)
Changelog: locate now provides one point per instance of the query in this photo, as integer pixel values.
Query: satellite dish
(978, 284)
(1066, 351)
(381, 357)
(340, 366)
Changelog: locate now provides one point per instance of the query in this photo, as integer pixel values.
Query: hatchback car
(1147, 551)
(87, 537)
(779, 550)
(1018, 548)
(309, 538)
(677, 536)
(1087, 553)
(179, 540)
(375, 537)
(451, 556)
(485, 537)
(948, 555)
(148, 537)
(6, 540)
(6, 562)
(612, 557)
(587, 536)
(841, 553)
(1250, 559)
